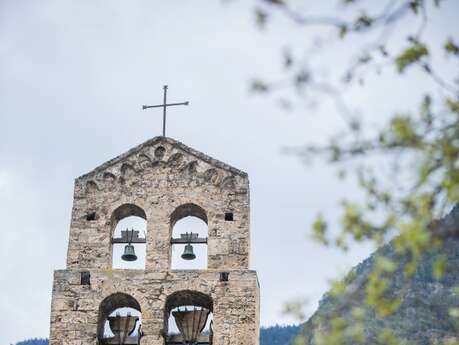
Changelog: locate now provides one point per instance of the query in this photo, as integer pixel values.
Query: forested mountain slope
(423, 315)
(278, 335)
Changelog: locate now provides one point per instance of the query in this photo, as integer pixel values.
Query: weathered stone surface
(161, 181)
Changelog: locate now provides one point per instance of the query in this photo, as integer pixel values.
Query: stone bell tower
(161, 181)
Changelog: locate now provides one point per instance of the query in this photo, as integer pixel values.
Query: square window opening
(229, 217)
(85, 278)
(91, 216)
(224, 276)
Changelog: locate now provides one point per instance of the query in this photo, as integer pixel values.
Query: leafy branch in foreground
(408, 170)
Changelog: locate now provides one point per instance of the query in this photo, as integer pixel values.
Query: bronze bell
(188, 253)
(129, 253)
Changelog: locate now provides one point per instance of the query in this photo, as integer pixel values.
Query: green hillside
(423, 315)
(278, 335)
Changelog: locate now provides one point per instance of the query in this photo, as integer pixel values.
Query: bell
(129, 253)
(191, 323)
(188, 253)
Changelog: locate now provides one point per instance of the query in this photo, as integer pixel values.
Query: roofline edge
(171, 141)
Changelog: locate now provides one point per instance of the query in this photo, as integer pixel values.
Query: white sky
(73, 77)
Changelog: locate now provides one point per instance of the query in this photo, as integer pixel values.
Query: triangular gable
(174, 143)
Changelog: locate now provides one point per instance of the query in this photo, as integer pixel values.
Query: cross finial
(164, 106)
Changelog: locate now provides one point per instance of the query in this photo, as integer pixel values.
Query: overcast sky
(73, 77)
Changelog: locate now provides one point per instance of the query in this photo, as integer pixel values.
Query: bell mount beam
(129, 236)
(196, 240)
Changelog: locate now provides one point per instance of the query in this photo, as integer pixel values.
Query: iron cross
(164, 106)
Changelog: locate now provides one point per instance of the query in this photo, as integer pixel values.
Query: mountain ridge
(422, 317)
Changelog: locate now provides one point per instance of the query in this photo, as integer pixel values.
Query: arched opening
(188, 318)
(129, 230)
(189, 234)
(120, 320)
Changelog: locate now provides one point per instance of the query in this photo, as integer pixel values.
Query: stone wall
(162, 181)
(160, 176)
(75, 307)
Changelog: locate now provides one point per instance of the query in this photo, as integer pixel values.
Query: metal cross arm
(164, 106)
(160, 105)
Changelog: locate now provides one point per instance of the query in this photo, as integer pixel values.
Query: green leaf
(363, 22)
(414, 5)
(410, 55)
(343, 29)
(319, 229)
(439, 267)
(387, 337)
(451, 47)
(261, 18)
(385, 264)
(276, 2)
(453, 105)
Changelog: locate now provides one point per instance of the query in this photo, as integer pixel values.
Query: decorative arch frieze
(191, 168)
(228, 183)
(145, 161)
(108, 177)
(211, 175)
(133, 168)
(127, 170)
(175, 159)
(91, 187)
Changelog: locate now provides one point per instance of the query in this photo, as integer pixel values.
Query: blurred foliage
(295, 308)
(423, 312)
(407, 170)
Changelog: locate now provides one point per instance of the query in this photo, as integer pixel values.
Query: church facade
(161, 181)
